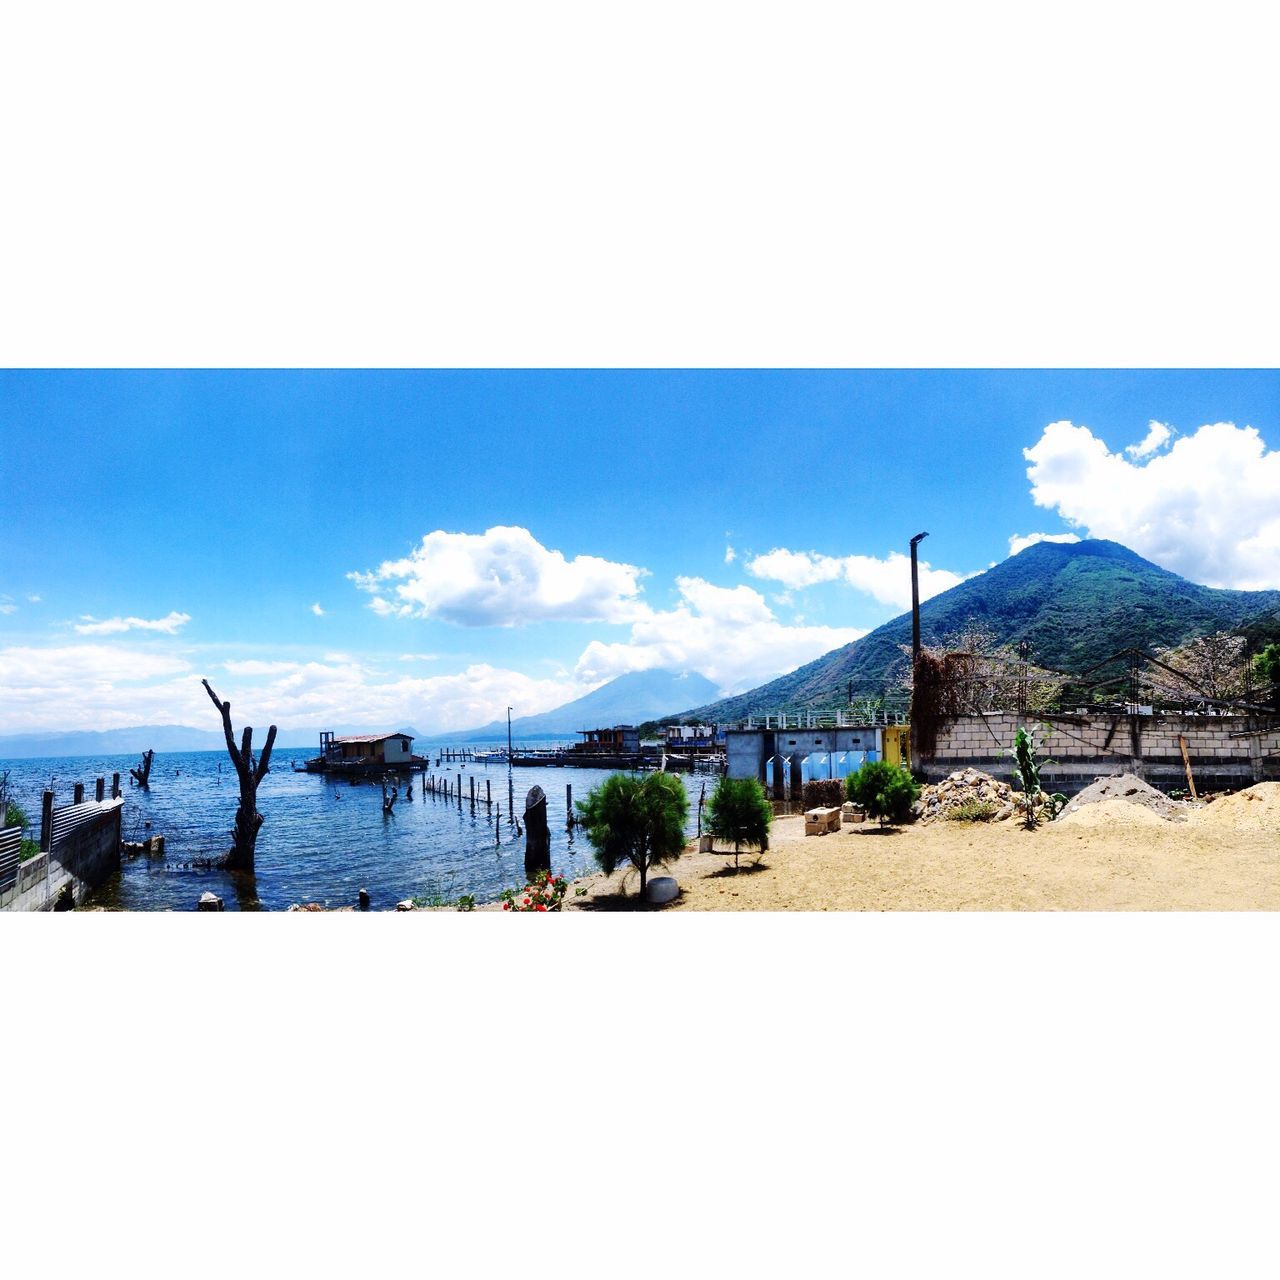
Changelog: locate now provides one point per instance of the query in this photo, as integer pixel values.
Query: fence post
(46, 822)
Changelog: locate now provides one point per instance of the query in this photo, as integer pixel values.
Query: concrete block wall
(1081, 747)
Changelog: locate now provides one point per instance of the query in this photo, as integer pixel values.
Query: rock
(662, 889)
(209, 902)
(405, 904)
(704, 844)
(364, 899)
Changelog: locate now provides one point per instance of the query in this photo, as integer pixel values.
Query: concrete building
(784, 759)
(367, 748)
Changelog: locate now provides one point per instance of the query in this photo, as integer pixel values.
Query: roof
(372, 737)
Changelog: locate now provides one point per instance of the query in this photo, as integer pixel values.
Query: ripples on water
(322, 841)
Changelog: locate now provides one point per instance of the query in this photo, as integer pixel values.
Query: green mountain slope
(1075, 603)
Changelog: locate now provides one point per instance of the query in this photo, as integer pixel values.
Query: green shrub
(635, 819)
(740, 811)
(972, 811)
(14, 816)
(886, 791)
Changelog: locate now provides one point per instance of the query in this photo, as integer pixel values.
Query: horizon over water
(321, 840)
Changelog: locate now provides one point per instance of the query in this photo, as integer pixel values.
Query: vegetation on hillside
(1074, 604)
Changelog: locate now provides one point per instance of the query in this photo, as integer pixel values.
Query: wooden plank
(1186, 760)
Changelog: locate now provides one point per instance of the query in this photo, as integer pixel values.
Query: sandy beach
(1109, 856)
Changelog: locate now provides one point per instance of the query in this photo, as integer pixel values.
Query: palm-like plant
(638, 820)
(740, 811)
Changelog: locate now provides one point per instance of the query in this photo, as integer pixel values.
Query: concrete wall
(83, 860)
(746, 750)
(1224, 754)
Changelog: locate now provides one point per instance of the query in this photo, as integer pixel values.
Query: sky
(400, 548)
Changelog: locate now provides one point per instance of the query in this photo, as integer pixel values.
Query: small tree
(1024, 757)
(1266, 667)
(638, 820)
(886, 791)
(740, 811)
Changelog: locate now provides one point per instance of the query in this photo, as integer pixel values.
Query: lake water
(321, 841)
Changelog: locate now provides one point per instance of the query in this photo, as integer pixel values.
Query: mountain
(630, 699)
(1075, 603)
(160, 738)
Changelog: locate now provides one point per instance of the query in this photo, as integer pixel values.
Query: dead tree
(388, 798)
(143, 771)
(244, 835)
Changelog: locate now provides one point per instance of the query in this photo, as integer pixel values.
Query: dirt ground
(1108, 856)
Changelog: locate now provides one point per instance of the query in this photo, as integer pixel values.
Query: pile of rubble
(973, 788)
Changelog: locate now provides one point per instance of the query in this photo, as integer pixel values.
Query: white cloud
(33, 599)
(94, 686)
(887, 580)
(317, 610)
(1158, 435)
(503, 577)
(1208, 508)
(730, 555)
(321, 694)
(104, 685)
(168, 625)
(8, 608)
(419, 657)
(729, 634)
(1021, 541)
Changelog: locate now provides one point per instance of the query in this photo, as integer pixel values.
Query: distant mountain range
(1074, 603)
(160, 738)
(630, 699)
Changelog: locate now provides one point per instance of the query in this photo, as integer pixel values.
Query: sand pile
(1113, 811)
(973, 787)
(1257, 808)
(1132, 790)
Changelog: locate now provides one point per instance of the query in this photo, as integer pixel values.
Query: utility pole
(915, 602)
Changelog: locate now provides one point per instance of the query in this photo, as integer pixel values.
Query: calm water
(322, 841)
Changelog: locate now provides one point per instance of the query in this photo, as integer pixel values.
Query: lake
(321, 841)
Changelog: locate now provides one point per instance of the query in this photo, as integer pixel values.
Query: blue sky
(317, 543)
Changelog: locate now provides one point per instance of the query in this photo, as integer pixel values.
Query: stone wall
(1225, 751)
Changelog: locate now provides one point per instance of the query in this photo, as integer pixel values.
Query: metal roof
(373, 737)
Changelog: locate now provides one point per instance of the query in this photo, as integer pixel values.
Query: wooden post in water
(99, 789)
(77, 794)
(488, 794)
(568, 806)
(537, 835)
(46, 821)
(459, 791)
(115, 785)
(473, 791)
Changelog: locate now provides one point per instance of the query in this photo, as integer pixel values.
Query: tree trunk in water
(244, 835)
